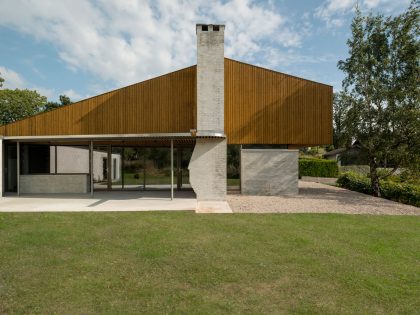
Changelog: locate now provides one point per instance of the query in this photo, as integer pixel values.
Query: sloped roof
(261, 107)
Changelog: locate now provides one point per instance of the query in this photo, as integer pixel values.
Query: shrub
(400, 192)
(317, 168)
(355, 181)
(359, 169)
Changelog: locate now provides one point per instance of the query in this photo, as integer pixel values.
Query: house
(353, 155)
(203, 108)
(334, 155)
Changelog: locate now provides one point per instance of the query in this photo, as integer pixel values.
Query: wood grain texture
(164, 104)
(261, 107)
(267, 107)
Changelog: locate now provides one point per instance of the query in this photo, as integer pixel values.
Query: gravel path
(320, 198)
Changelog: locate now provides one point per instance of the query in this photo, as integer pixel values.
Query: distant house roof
(334, 152)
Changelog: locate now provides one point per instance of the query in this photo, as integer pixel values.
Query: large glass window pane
(233, 165)
(158, 168)
(11, 168)
(35, 159)
(133, 168)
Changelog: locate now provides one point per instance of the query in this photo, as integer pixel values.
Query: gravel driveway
(320, 198)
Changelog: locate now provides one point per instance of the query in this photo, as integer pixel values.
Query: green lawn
(84, 263)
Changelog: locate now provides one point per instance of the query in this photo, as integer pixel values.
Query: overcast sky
(84, 47)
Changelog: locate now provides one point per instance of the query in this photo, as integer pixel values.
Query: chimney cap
(209, 27)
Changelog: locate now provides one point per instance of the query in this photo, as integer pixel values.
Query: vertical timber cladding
(268, 107)
(165, 104)
(261, 107)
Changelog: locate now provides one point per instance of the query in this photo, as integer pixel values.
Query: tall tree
(382, 89)
(64, 100)
(17, 104)
(340, 105)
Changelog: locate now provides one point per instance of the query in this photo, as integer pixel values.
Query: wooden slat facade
(261, 107)
(165, 104)
(268, 107)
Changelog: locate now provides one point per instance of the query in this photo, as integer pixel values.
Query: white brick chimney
(210, 77)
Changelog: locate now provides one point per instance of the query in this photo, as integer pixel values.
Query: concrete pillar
(208, 162)
(1, 167)
(178, 168)
(208, 169)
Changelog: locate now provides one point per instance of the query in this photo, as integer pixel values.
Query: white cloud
(334, 12)
(126, 41)
(12, 79)
(73, 95)
(278, 58)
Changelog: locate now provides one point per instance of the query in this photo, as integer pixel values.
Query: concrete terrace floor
(101, 201)
(320, 198)
(313, 198)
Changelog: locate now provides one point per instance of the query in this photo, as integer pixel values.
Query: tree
(1, 81)
(340, 104)
(381, 90)
(17, 104)
(64, 100)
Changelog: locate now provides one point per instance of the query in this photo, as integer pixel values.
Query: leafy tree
(340, 104)
(1, 81)
(64, 100)
(17, 104)
(381, 90)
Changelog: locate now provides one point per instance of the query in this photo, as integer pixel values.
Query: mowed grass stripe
(181, 262)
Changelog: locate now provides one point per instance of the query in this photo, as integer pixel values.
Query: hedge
(317, 167)
(400, 192)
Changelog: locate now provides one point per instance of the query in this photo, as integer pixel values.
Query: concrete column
(172, 169)
(178, 168)
(208, 162)
(1, 167)
(208, 169)
(18, 167)
(90, 166)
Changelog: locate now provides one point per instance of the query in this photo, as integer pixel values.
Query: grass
(112, 263)
(233, 181)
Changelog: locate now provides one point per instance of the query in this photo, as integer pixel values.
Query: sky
(82, 48)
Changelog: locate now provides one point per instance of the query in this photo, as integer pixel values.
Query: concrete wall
(208, 169)
(76, 160)
(51, 184)
(269, 172)
(97, 165)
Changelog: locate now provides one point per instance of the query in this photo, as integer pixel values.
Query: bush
(356, 182)
(317, 168)
(400, 192)
(359, 169)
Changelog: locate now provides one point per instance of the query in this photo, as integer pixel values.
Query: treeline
(18, 104)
